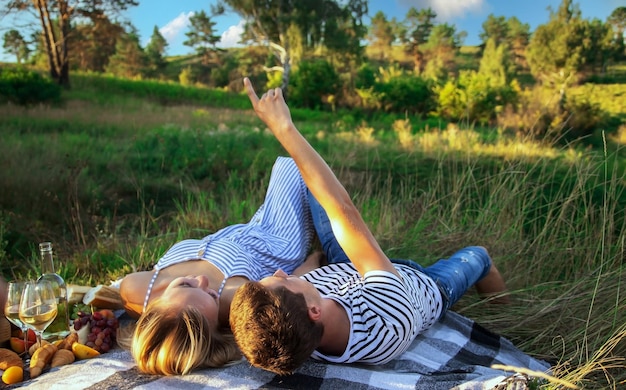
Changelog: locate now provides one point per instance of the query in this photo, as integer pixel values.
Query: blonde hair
(175, 342)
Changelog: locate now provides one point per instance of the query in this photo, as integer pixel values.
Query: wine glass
(12, 309)
(38, 306)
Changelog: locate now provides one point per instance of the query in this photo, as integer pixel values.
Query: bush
(472, 96)
(314, 84)
(539, 116)
(406, 94)
(25, 87)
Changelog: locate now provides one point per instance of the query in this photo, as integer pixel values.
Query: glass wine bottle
(60, 327)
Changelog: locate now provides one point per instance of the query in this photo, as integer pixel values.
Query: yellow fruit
(13, 375)
(81, 351)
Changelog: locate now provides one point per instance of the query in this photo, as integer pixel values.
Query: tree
(56, 17)
(419, 28)
(518, 38)
(555, 51)
(496, 63)
(440, 50)
(511, 32)
(155, 51)
(93, 43)
(617, 20)
(496, 28)
(201, 35)
(381, 34)
(129, 60)
(15, 44)
(598, 46)
(568, 47)
(280, 24)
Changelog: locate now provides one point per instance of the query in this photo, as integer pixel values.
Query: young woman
(183, 304)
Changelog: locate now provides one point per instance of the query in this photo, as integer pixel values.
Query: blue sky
(172, 17)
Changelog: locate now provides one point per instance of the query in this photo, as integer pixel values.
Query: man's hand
(271, 107)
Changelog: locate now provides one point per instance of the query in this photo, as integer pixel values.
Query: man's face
(293, 284)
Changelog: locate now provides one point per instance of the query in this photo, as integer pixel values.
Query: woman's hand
(271, 107)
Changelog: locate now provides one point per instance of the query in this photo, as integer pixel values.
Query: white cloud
(447, 9)
(171, 30)
(232, 35)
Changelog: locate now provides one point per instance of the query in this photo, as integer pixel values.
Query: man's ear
(315, 313)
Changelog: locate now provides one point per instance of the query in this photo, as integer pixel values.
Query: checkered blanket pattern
(456, 353)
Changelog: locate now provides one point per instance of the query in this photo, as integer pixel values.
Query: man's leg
(465, 268)
(492, 286)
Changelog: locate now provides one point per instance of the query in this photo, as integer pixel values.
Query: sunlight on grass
(454, 139)
(620, 136)
(126, 114)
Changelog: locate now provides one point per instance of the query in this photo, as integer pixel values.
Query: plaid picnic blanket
(456, 353)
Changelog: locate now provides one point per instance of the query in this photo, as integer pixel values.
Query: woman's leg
(282, 229)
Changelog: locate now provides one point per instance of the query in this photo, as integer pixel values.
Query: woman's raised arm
(348, 226)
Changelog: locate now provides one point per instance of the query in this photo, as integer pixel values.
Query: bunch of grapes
(102, 329)
(77, 308)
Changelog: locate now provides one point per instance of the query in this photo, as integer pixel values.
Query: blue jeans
(454, 275)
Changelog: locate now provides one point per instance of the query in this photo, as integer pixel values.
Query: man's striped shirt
(386, 312)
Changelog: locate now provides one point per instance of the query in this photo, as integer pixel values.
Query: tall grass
(114, 183)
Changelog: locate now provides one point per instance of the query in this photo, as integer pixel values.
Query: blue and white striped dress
(279, 234)
(386, 312)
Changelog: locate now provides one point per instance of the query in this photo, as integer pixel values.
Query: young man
(367, 310)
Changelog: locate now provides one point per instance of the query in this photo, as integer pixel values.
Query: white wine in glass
(38, 306)
(12, 308)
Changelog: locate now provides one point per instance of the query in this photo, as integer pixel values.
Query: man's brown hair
(273, 328)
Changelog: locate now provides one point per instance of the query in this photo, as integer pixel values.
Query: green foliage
(274, 80)
(313, 83)
(163, 92)
(201, 35)
(406, 94)
(381, 34)
(185, 78)
(580, 120)
(93, 43)
(14, 43)
(129, 60)
(4, 228)
(25, 87)
(567, 45)
(366, 76)
(155, 51)
(496, 63)
(473, 97)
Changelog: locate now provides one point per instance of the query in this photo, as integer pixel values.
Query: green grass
(121, 172)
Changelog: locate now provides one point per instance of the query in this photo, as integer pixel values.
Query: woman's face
(193, 291)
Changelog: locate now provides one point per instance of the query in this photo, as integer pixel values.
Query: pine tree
(496, 63)
(129, 60)
(155, 51)
(14, 43)
(201, 36)
(381, 35)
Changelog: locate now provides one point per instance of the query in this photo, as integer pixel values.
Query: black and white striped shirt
(386, 313)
